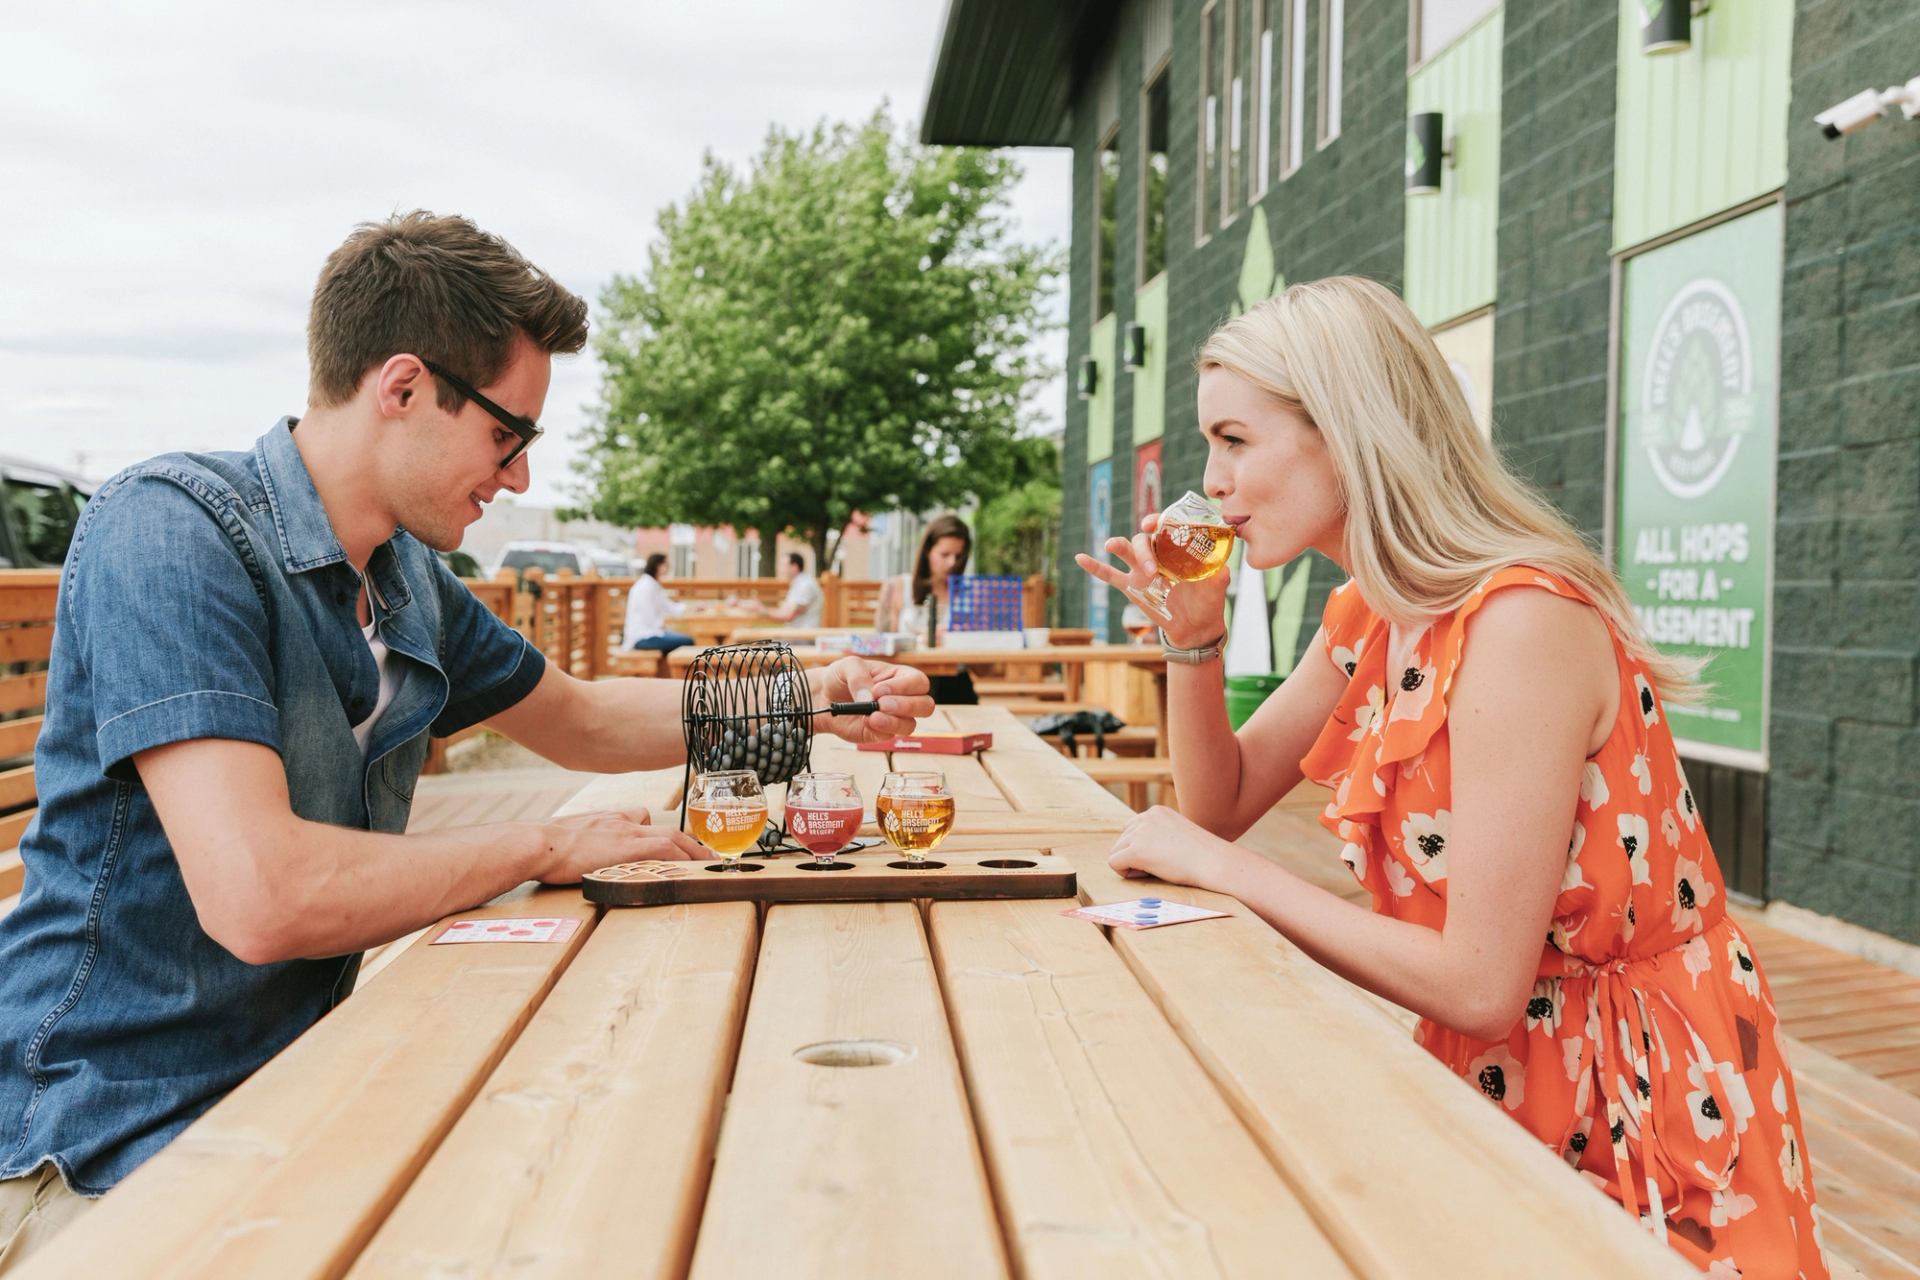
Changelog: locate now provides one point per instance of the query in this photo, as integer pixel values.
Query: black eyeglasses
(525, 428)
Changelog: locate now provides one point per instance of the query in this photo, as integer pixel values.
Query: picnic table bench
(958, 1089)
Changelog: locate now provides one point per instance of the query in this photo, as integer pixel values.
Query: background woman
(1491, 725)
(921, 602)
(648, 609)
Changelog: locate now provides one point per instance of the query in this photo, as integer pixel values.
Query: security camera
(1863, 108)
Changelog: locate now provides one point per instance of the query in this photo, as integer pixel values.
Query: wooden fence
(575, 622)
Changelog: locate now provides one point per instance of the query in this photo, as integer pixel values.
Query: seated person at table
(253, 649)
(648, 609)
(921, 603)
(804, 599)
(1493, 729)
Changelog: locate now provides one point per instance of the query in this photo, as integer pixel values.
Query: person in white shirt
(649, 607)
(804, 599)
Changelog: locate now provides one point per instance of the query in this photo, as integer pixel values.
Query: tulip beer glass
(1190, 542)
(726, 811)
(823, 814)
(916, 813)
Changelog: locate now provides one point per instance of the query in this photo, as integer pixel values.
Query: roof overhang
(1008, 71)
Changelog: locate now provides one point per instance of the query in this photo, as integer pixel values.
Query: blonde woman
(1492, 726)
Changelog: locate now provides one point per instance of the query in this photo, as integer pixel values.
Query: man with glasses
(251, 653)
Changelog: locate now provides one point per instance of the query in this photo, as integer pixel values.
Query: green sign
(1699, 403)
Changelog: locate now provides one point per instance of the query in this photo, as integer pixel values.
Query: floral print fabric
(1650, 1044)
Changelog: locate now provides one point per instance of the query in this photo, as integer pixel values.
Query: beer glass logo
(893, 821)
(1180, 535)
(1697, 395)
(799, 824)
(714, 820)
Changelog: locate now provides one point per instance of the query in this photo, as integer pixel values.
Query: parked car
(548, 557)
(39, 506)
(610, 564)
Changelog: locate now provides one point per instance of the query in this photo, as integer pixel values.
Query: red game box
(939, 744)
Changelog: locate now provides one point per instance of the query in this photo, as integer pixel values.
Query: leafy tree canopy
(848, 325)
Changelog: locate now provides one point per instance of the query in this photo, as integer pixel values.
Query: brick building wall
(1844, 812)
(1342, 211)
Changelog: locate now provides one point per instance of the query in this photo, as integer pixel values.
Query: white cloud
(172, 176)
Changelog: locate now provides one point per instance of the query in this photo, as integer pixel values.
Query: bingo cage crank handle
(848, 709)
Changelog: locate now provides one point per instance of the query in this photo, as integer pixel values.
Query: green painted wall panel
(1704, 130)
(1450, 264)
(1104, 346)
(1150, 380)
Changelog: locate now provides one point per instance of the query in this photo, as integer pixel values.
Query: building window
(1235, 192)
(746, 558)
(1438, 23)
(1296, 95)
(1263, 174)
(680, 538)
(1213, 68)
(1153, 180)
(1106, 258)
(1333, 27)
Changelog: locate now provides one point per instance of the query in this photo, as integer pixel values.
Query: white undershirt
(389, 684)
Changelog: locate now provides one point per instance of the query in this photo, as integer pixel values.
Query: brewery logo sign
(1697, 392)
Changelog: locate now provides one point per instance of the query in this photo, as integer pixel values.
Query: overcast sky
(172, 176)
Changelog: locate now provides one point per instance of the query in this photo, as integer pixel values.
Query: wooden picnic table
(651, 1098)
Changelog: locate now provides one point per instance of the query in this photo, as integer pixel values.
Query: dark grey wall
(1844, 815)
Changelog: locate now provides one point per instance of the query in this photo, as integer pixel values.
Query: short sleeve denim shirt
(205, 596)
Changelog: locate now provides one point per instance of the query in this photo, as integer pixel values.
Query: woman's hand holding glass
(1199, 608)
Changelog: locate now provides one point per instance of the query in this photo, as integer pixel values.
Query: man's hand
(900, 691)
(1162, 844)
(589, 841)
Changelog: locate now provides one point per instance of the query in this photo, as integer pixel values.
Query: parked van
(39, 506)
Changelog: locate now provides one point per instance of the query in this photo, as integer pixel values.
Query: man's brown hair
(436, 287)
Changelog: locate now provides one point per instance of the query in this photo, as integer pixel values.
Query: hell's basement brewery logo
(1697, 400)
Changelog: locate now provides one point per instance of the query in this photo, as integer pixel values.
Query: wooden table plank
(285, 1176)
(624, 1066)
(1401, 1161)
(1111, 1152)
(847, 1171)
(974, 790)
(293, 1171)
(1035, 777)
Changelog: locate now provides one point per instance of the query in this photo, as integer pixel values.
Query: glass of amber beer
(726, 811)
(915, 811)
(1190, 542)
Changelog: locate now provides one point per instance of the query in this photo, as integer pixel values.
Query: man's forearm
(348, 890)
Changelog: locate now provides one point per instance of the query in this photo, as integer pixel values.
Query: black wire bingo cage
(749, 706)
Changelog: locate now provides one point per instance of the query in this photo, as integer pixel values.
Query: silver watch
(1192, 657)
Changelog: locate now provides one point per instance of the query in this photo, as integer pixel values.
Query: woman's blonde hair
(1431, 509)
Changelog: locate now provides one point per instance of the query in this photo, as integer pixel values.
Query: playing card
(1143, 913)
(530, 930)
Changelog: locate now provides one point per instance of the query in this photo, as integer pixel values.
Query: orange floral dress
(1650, 1043)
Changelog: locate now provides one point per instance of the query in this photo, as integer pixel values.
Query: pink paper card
(548, 929)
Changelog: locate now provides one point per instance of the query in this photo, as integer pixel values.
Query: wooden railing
(26, 638)
(575, 622)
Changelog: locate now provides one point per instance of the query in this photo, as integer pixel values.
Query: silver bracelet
(1192, 657)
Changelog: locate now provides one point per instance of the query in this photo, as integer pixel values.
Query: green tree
(1019, 530)
(847, 325)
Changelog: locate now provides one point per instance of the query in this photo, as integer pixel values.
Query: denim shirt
(205, 596)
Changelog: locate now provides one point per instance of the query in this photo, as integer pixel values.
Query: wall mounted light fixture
(1088, 377)
(1666, 26)
(1133, 346)
(1428, 148)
